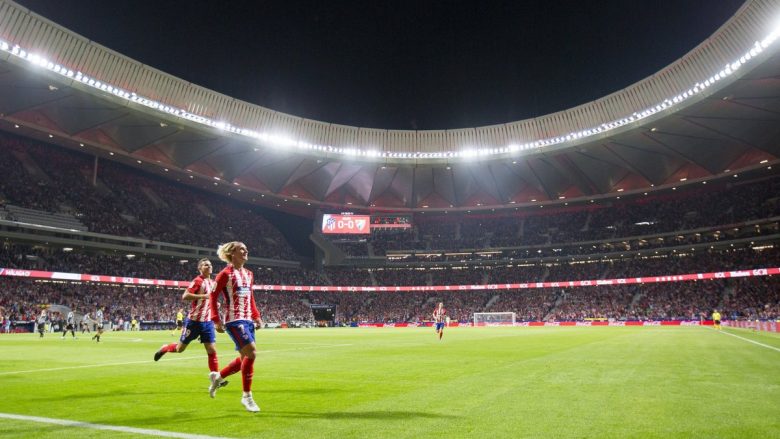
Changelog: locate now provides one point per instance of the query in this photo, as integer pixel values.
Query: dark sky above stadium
(402, 64)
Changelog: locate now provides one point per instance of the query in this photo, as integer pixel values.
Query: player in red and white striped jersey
(234, 284)
(198, 323)
(439, 316)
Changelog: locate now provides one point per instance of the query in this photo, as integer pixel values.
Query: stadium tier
(122, 202)
(679, 232)
(677, 218)
(737, 297)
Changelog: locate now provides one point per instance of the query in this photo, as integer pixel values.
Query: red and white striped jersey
(438, 315)
(235, 286)
(201, 309)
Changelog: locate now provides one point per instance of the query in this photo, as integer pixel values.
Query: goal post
(494, 319)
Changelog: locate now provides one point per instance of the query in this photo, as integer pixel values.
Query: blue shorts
(439, 326)
(242, 332)
(193, 330)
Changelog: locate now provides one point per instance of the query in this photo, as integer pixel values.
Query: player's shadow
(377, 415)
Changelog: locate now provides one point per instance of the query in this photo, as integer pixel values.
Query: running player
(99, 324)
(70, 325)
(439, 315)
(198, 324)
(234, 283)
(85, 323)
(42, 323)
(716, 319)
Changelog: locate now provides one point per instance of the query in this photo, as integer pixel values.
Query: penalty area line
(78, 424)
(87, 366)
(750, 341)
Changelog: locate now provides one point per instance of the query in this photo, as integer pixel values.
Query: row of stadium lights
(533, 200)
(286, 142)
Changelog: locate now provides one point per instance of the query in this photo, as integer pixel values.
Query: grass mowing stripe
(86, 366)
(127, 363)
(751, 341)
(143, 431)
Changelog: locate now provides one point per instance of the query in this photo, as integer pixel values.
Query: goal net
(494, 319)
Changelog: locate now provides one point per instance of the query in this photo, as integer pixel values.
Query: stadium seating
(737, 298)
(126, 202)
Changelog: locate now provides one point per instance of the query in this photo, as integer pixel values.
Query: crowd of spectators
(736, 298)
(24, 298)
(125, 202)
(614, 226)
(42, 258)
(741, 298)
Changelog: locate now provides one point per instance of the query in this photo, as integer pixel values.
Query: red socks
(169, 348)
(213, 364)
(231, 368)
(246, 366)
(247, 372)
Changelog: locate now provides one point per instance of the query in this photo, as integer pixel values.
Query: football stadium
(606, 269)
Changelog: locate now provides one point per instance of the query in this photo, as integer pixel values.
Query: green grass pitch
(569, 382)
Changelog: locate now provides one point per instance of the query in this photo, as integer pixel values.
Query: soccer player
(198, 324)
(5, 317)
(99, 324)
(134, 324)
(439, 315)
(42, 323)
(179, 320)
(85, 323)
(70, 324)
(716, 319)
(234, 283)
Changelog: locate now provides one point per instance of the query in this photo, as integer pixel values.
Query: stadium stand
(738, 298)
(125, 202)
(678, 232)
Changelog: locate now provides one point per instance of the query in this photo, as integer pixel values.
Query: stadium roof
(714, 111)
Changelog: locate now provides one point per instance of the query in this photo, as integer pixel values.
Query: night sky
(401, 64)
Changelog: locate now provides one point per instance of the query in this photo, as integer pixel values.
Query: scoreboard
(353, 224)
(341, 224)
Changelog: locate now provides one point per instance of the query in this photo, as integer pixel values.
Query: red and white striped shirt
(201, 309)
(438, 315)
(236, 289)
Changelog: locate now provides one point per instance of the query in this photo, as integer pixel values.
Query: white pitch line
(144, 431)
(751, 341)
(92, 365)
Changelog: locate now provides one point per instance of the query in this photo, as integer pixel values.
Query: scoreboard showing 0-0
(351, 224)
(346, 224)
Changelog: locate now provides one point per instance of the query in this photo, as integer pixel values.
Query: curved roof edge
(711, 65)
